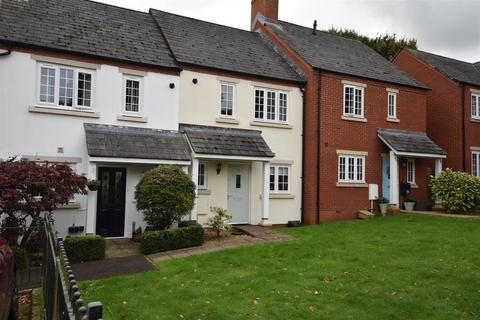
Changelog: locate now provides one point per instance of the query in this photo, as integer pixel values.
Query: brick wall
(472, 128)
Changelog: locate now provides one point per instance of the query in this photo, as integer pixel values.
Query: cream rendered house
(241, 111)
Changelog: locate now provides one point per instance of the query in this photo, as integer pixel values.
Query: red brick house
(453, 104)
(365, 120)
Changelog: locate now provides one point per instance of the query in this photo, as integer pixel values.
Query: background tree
(387, 45)
(28, 190)
(165, 194)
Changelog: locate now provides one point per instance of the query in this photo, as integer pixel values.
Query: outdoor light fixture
(195, 80)
(219, 167)
(172, 85)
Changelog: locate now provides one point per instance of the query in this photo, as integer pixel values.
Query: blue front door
(386, 178)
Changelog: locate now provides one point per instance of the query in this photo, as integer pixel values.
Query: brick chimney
(268, 8)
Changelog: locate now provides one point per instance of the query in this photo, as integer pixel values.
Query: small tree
(28, 189)
(459, 191)
(165, 194)
(219, 222)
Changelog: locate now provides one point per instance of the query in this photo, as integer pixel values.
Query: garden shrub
(171, 239)
(219, 222)
(21, 257)
(187, 223)
(459, 191)
(164, 195)
(85, 248)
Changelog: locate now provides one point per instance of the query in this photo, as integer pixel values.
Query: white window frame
(140, 95)
(355, 168)
(205, 175)
(475, 112)
(411, 170)
(276, 190)
(362, 102)
(394, 105)
(476, 163)
(277, 105)
(76, 71)
(229, 84)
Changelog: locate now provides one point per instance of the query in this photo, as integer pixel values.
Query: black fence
(61, 296)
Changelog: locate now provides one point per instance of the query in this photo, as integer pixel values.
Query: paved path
(258, 235)
(119, 248)
(107, 268)
(442, 214)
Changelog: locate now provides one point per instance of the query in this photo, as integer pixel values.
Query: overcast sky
(446, 27)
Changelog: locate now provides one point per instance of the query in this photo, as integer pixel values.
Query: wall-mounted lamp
(219, 167)
(195, 80)
(172, 85)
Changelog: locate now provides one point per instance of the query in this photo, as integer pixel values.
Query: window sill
(393, 120)
(64, 112)
(270, 125)
(413, 186)
(351, 185)
(71, 205)
(227, 120)
(355, 119)
(282, 196)
(474, 120)
(129, 118)
(204, 192)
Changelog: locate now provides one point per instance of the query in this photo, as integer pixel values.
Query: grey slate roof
(458, 70)
(339, 54)
(205, 44)
(410, 141)
(226, 141)
(85, 27)
(139, 143)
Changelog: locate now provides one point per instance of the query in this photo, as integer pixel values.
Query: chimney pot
(314, 27)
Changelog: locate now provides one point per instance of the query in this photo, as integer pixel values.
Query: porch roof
(209, 140)
(410, 143)
(139, 143)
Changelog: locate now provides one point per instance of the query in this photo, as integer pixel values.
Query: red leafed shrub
(29, 189)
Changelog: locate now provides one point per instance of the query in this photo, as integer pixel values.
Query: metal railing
(61, 295)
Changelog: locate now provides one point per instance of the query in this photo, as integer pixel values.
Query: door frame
(249, 193)
(116, 167)
(385, 165)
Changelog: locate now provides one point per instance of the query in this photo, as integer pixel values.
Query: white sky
(446, 27)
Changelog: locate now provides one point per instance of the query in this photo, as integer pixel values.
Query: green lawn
(402, 267)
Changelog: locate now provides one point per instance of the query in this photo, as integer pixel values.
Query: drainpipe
(304, 104)
(464, 165)
(318, 143)
(5, 53)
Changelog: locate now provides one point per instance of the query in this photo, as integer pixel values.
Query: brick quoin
(338, 203)
(444, 110)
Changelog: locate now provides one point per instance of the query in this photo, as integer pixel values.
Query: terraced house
(366, 120)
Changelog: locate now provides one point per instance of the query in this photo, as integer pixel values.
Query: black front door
(111, 202)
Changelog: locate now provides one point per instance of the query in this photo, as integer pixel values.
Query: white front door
(238, 193)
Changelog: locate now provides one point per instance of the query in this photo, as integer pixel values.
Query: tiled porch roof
(139, 143)
(208, 140)
(402, 141)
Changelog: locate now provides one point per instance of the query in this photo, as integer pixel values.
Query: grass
(402, 267)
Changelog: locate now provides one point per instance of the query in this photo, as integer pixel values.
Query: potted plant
(409, 204)
(93, 185)
(383, 204)
(392, 209)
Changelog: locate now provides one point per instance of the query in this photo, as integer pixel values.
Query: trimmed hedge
(171, 239)
(187, 223)
(85, 248)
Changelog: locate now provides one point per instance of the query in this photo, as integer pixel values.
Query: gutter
(318, 142)
(304, 107)
(464, 165)
(6, 53)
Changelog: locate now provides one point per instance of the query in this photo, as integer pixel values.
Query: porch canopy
(412, 144)
(209, 142)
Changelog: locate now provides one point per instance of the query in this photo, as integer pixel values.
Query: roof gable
(210, 45)
(339, 54)
(458, 70)
(85, 27)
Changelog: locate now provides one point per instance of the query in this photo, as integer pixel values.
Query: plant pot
(392, 210)
(409, 206)
(383, 208)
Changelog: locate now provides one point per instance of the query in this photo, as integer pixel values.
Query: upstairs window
(353, 101)
(351, 169)
(476, 106)
(476, 163)
(271, 105)
(279, 179)
(132, 94)
(65, 87)
(392, 105)
(411, 171)
(226, 100)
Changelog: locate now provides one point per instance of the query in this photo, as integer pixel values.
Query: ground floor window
(351, 168)
(476, 163)
(411, 171)
(202, 176)
(279, 178)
